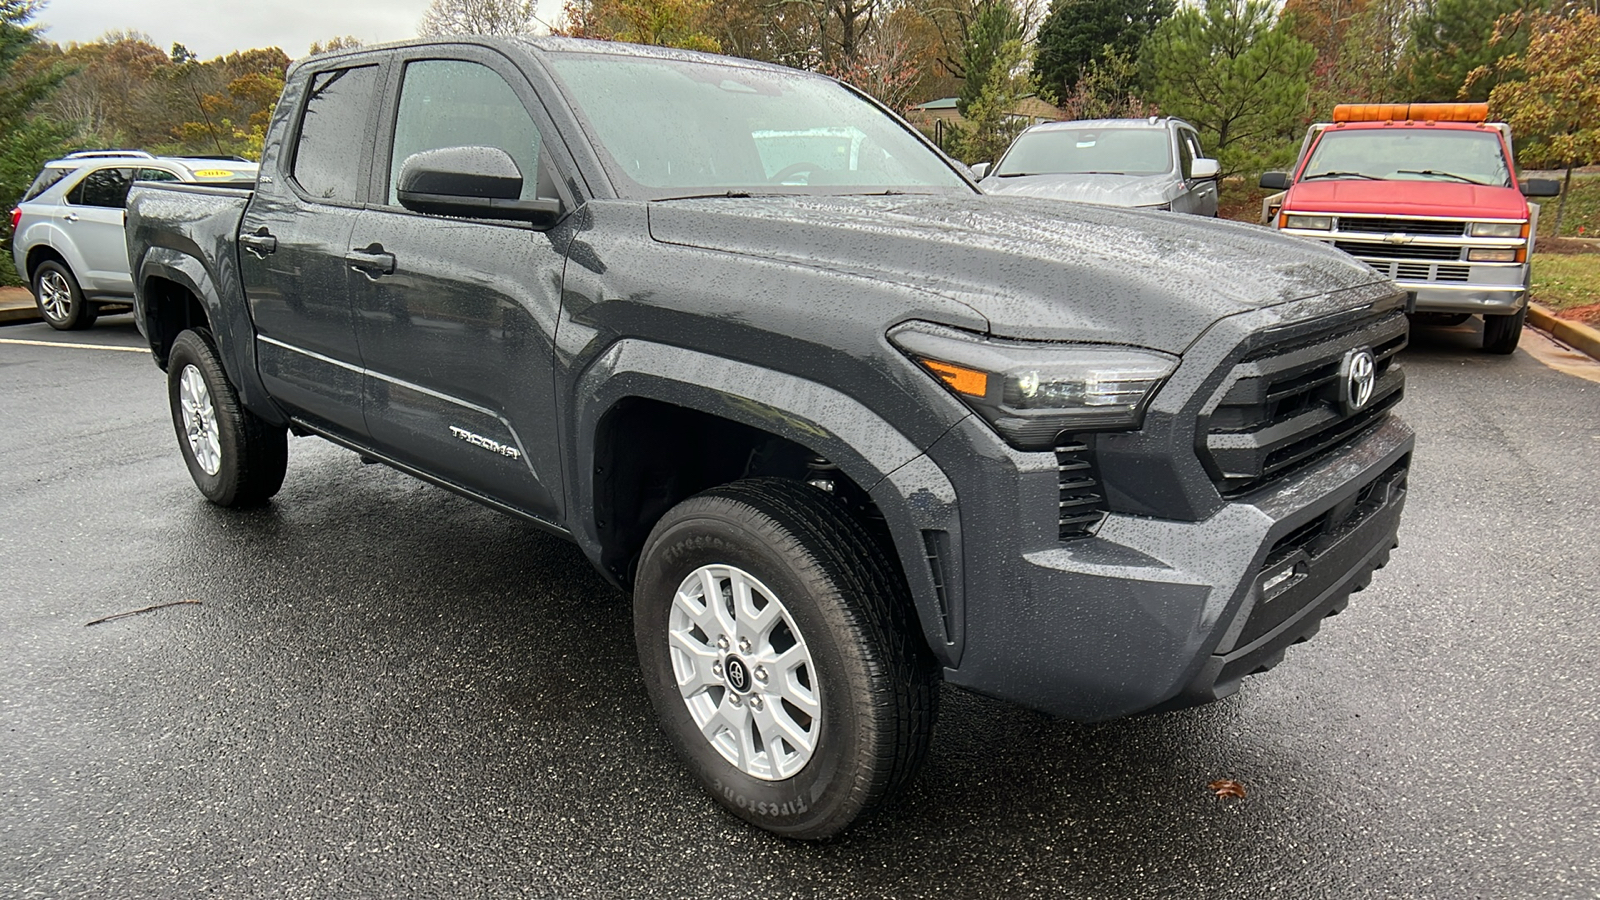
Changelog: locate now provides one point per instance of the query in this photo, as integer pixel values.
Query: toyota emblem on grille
(1358, 375)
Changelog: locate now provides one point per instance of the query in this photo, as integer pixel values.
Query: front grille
(1413, 271)
(1382, 225)
(1375, 250)
(1083, 500)
(1452, 273)
(1280, 409)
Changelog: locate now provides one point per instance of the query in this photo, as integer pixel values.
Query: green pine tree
(1233, 70)
(26, 141)
(1077, 33)
(995, 25)
(1450, 39)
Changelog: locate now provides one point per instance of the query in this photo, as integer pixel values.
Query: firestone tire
(235, 458)
(819, 706)
(59, 298)
(1501, 333)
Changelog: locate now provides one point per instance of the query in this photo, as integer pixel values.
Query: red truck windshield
(1410, 154)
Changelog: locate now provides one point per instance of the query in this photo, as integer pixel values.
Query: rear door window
(106, 188)
(328, 153)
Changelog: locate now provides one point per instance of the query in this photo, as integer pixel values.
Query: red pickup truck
(1427, 194)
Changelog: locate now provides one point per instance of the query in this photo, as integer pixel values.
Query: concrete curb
(17, 314)
(1575, 334)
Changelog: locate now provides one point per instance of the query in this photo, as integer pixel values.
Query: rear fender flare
(231, 328)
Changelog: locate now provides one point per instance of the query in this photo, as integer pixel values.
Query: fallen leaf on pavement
(1227, 787)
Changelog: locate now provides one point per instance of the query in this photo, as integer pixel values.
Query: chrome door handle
(71, 217)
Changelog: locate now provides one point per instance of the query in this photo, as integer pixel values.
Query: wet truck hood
(1110, 190)
(1035, 269)
(1407, 198)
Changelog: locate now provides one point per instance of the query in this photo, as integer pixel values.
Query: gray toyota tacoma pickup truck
(845, 427)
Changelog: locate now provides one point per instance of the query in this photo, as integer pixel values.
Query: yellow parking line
(73, 346)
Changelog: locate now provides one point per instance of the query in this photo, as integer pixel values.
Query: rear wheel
(234, 457)
(1501, 333)
(781, 656)
(59, 298)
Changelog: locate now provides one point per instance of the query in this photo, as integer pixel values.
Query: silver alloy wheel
(200, 420)
(744, 672)
(55, 295)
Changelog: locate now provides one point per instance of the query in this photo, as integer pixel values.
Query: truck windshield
(1088, 151)
(682, 127)
(1410, 154)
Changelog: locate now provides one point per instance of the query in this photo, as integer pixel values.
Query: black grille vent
(1083, 500)
(1375, 250)
(1452, 273)
(1381, 225)
(1280, 409)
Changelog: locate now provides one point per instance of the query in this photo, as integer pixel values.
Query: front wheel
(780, 652)
(234, 457)
(59, 298)
(1501, 333)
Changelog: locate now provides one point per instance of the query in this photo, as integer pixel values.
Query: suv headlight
(1033, 391)
(1495, 229)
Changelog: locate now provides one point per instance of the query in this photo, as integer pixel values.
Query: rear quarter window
(44, 182)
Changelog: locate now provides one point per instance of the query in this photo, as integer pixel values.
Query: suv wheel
(234, 457)
(781, 655)
(59, 298)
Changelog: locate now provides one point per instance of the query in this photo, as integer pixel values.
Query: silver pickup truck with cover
(846, 428)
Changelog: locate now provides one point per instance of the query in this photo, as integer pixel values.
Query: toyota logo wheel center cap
(737, 674)
(1358, 375)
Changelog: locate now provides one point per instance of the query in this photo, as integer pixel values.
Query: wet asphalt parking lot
(388, 691)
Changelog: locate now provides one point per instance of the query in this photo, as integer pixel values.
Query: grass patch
(1568, 283)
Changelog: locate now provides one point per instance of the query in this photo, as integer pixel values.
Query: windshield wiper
(741, 195)
(1437, 174)
(1341, 175)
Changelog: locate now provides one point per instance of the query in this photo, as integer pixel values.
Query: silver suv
(68, 228)
(1153, 163)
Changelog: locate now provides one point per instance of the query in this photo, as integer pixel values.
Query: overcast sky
(216, 27)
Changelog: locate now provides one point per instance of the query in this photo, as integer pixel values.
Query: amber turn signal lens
(961, 380)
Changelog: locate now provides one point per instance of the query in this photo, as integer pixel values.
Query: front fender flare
(915, 497)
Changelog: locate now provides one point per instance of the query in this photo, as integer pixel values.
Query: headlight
(1033, 391)
(1313, 223)
(1482, 254)
(1495, 229)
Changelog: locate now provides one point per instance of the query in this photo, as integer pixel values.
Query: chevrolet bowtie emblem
(1398, 239)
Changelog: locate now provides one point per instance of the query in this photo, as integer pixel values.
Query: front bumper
(1474, 299)
(1156, 614)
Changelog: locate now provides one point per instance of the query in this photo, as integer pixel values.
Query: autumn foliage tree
(663, 23)
(1553, 105)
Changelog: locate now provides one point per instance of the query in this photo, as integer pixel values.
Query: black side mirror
(1275, 181)
(473, 182)
(1541, 187)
